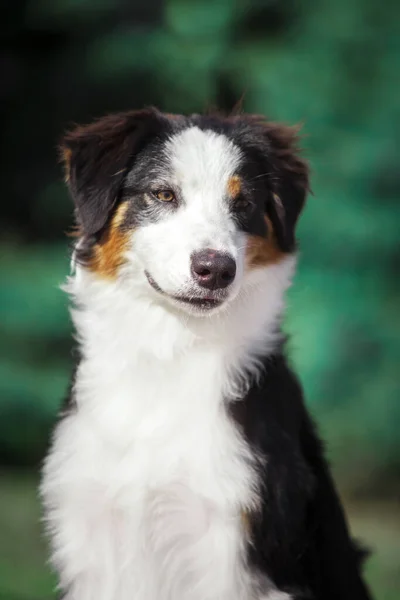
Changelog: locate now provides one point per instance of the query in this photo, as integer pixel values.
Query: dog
(185, 465)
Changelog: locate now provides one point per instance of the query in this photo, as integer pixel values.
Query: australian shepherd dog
(185, 465)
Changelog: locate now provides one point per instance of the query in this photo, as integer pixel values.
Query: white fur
(146, 480)
(200, 166)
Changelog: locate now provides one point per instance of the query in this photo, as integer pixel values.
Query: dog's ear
(97, 157)
(290, 183)
(276, 146)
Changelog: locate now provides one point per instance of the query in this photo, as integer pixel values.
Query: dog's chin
(193, 302)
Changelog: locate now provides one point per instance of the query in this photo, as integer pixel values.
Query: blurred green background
(332, 65)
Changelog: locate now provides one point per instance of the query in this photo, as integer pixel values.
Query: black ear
(290, 183)
(97, 158)
(277, 150)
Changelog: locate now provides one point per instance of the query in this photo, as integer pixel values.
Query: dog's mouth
(202, 302)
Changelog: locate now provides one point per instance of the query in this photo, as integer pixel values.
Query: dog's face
(191, 207)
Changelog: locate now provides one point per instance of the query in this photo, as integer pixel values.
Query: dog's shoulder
(299, 534)
(273, 406)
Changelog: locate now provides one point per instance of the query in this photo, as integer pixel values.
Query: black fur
(98, 157)
(299, 537)
(280, 174)
(272, 167)
(122, 157)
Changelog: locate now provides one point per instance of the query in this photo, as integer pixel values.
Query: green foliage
(22, 549)
(331, 66)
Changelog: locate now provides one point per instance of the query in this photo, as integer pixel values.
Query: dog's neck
(119, 320)
(144, 364)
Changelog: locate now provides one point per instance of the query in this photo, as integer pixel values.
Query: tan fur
(66, 157)
(108, 254)
(75, 232)
(263, 251)
(234, 186)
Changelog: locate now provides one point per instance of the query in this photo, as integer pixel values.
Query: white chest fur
(147, 479)
(146, 483)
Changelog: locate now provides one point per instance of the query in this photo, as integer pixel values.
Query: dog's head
(190, 207)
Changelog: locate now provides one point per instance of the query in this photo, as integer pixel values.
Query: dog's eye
(165, 195)
(241, 204)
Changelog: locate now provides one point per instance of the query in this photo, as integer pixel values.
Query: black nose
(213, 270)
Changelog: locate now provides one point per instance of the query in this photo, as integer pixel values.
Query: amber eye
(165, 195)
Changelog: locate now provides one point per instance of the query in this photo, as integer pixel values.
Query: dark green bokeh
(332, 66)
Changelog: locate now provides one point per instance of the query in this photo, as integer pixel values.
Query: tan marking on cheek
(119, 215)
(263, 251)
(234, 186)
(66, 156)
(109, 253)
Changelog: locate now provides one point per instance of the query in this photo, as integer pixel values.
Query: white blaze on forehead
(200, 164)
(202, 161)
